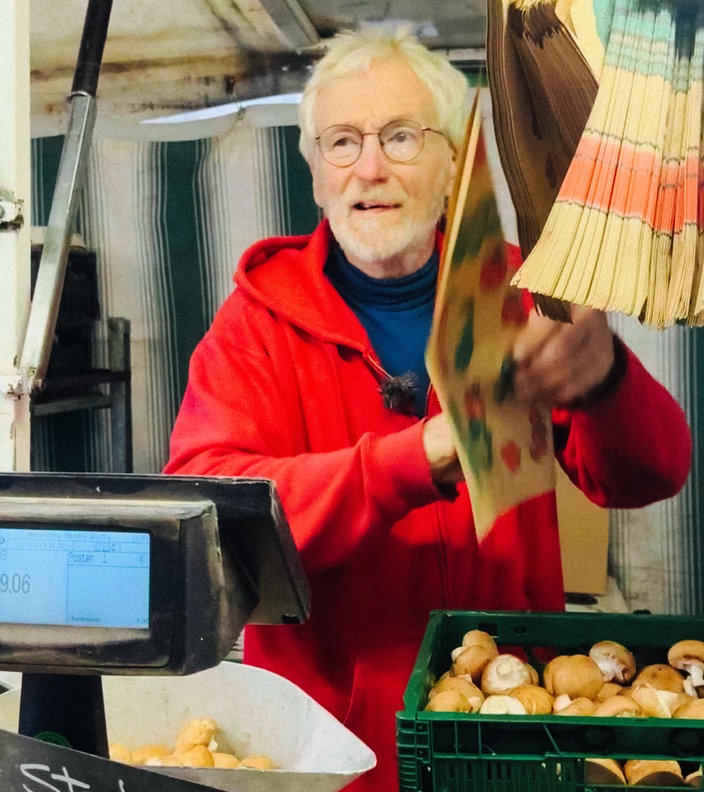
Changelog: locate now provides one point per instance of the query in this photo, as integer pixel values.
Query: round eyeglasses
(401, 141)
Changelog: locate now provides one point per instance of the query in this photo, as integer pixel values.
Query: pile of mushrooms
(603, 683)
(654, 773)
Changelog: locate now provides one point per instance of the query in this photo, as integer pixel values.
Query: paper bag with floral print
(505, 447)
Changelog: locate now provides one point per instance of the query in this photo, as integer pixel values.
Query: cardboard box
(584, 539)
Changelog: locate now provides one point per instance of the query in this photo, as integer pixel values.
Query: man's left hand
(559, 363)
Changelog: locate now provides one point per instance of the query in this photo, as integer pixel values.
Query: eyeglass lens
(401, 141)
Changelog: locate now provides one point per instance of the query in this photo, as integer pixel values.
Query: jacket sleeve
(629, 448)
(241, 416)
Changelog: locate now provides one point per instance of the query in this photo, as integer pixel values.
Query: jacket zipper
(441, 550)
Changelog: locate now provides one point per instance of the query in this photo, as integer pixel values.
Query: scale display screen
(132, 574)
(76, 578)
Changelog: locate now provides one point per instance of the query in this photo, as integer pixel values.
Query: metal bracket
(12, 385)
(10, 211)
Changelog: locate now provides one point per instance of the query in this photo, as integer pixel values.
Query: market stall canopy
(179, 55)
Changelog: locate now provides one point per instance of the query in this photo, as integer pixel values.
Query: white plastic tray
(258, 713)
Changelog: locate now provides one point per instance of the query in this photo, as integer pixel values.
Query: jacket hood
(286, 275)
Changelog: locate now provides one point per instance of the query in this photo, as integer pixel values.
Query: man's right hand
(440, 449)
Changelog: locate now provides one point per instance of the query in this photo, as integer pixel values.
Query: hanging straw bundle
(542, 89)
(625, 232)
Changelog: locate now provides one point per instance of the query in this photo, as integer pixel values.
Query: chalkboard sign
(29, 765)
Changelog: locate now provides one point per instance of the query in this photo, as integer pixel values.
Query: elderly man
(299, 377)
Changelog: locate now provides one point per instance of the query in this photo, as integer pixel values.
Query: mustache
(375, 196)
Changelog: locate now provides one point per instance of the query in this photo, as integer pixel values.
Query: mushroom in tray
(658, 703)
(480, 638)
(449, 700)
(609, 689)
(504, 672)
(452, 687)
(653, 772)
(470, 661)
(618, 707)
(573, 675)
(617, 663)
(692, 709)
(660, 676)
(688, 656)
(578, 707)
(478, 648)
(502, 704)
(535, 699)
(598, 770)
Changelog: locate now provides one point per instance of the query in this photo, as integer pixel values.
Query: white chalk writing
(41, 777)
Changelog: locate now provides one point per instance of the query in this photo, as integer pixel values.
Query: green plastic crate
(465, 752)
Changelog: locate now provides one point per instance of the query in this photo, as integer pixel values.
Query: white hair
(352, 51)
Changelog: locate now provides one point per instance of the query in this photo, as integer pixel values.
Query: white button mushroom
(504, 672)
(502, 704)
(617, 663)
(688, 656)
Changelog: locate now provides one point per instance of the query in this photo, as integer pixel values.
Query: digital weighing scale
(130, 574)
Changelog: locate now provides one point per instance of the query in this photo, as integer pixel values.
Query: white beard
(368, 241)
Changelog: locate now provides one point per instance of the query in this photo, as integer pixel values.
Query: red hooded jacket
(285, 385)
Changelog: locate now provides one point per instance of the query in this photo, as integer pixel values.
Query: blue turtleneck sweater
(395, 312)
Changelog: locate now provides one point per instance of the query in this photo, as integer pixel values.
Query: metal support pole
(52, 265)
(120, 395)
(15, 227)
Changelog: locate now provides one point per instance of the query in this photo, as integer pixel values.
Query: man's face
(382, 213)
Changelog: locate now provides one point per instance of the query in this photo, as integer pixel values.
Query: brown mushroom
(504, 672)
(579, 707)
(471, 661)
(463, 685)
(225, 761)
(449, 701)
(688, 656)
(534, 675)
(196, 756)
(561, 701)
(609, 689)
(534, 698)
(656, 703)
(258, 762)
(618, 707)
(195, 731)
(617, 663)
(480, 638)
(693, 709)
(653, 772)
(149, 754)
(660, 676)
(576, 675)
(598, 770)
(502, 704)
